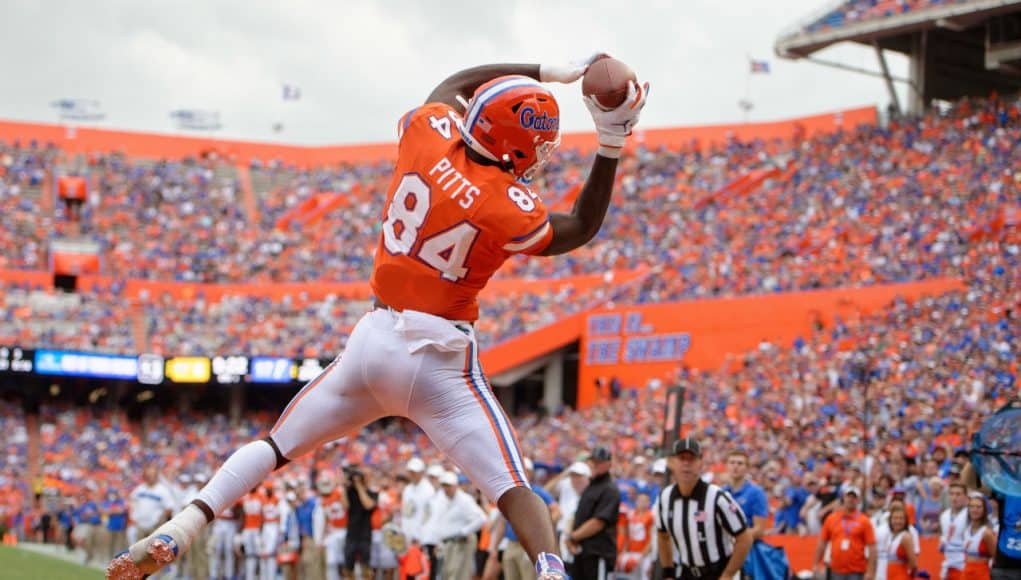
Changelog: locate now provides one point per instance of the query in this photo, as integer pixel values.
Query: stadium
(835, 296)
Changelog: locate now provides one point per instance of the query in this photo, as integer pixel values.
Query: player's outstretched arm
(575, 229)
(463, 84)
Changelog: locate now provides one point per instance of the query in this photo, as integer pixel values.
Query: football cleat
(550, 567)
(160, 551)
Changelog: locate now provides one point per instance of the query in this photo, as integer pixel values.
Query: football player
(458, 206)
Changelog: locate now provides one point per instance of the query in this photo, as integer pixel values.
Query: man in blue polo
(748, 495)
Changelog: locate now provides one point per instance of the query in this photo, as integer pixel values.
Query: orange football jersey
(449, 223)
(251, 507)
(336, 510)
(270, 511)
(639, 525)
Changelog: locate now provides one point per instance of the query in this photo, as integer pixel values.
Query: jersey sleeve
(525, 221)
(729, 514)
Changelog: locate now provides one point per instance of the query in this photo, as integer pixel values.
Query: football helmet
(514, 121)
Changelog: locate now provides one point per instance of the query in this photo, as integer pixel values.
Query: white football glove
(614, 126)
(568, 72)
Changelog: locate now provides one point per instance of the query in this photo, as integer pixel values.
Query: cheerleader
(979, 539)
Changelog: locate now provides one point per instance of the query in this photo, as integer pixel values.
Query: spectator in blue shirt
(66, 519)
(89, 525)
(116, 510)
(788, 517)
(748, 495)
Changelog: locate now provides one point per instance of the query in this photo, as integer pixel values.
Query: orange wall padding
(155, 145)
(71, 187)
(721, 327)
(801, 552)
(75, 264)
(34, 278)
(318, 290)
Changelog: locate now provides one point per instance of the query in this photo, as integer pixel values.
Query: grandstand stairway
(265, 185)
(139, 328)
(41, 194)
(244, 179)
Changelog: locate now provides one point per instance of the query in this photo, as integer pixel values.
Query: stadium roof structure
(957, 48)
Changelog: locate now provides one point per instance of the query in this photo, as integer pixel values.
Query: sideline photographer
(362, 501)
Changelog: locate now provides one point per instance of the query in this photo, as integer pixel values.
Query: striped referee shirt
(702, 526)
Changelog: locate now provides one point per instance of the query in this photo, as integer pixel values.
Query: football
(606, 80)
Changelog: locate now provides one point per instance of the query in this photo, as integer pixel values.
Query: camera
(353, 473)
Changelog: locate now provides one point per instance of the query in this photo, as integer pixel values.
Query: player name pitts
(444, 175)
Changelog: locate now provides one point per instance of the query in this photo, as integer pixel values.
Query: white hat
(416, 465)
(448, 478)
(184, 478)
(580, 468)
(659, 466)
(529, 466)
(434, 471)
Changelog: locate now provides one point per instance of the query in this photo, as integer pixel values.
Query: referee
(698, 522)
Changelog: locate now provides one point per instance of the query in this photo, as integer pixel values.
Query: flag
(291, 92)
(78, 109)
(196, 119)
(760, 66)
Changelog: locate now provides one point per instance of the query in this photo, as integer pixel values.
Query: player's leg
(250, 541)
(268, 555)
(230, 559)
(334, 554)
(454, 404)
(334, 404)
(216, 547)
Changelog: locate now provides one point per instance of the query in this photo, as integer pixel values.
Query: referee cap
(689, 444)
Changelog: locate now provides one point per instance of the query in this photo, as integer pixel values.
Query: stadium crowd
(931, 370)
(854, 11)
(882, 402)
(920, 198)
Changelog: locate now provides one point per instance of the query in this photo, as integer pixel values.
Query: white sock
(243, 470)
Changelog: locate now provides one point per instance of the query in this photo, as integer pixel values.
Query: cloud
(362, 63)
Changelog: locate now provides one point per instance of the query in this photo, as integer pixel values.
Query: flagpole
(747, 88)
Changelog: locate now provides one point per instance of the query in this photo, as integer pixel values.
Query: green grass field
(17, 564)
